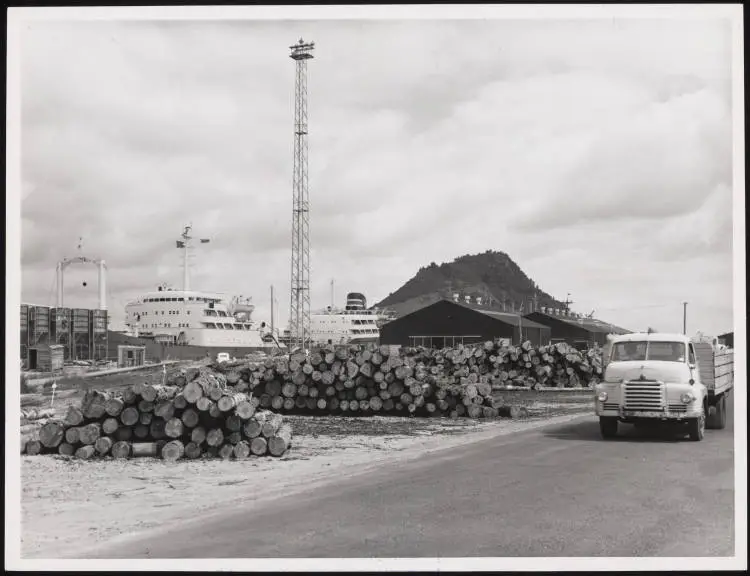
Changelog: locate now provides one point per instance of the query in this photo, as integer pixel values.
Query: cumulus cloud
(557, 142)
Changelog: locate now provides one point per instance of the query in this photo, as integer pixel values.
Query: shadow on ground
(589, 432)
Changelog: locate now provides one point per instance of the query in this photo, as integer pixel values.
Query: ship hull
(158, 351)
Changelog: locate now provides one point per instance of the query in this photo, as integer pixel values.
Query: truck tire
(721, 413)
(608, 426)
(697, 428)
(717, 415)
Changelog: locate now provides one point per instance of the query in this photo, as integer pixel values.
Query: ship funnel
(356, 301)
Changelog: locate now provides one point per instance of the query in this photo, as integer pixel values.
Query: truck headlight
(602, 396)
(687, 398)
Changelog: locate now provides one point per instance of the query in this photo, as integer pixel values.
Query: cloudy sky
(596, 153)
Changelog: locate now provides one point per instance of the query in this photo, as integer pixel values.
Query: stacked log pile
(361, 380)
(201, 416)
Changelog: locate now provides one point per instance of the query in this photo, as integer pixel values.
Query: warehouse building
(575, 329)
(80, 333)
(448, 323)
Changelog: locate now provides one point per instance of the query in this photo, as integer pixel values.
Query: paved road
(555, 491)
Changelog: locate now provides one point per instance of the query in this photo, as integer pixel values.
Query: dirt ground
(69, 506)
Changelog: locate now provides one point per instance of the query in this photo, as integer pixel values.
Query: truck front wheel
(697, 428)
(608, 426)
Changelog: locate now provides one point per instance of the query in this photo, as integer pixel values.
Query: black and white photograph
(376, 287)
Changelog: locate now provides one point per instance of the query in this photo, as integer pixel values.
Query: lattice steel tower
(299, 318)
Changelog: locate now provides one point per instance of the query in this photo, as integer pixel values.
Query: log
(93, 404)
(214, 411)
(245, 410)
(259, 446)
(114, 406)
(164, 409)
(226, 451)
(198, 435)
(138, 387)
(230, 401)
(215, 393)
(234, 437)
(288, 404)
(73, 417)
(272, 423)
(72, 435)
(146, 418)
(120, 450)
(180, 403)
(193, 450)
(85, 452)
(34, 447)
(130, 416)
(193, 392)
(110, 425)
(145, 449)
(145, 406)
(129, 396)
(252, 428)
(66, 449)
(279, 442)
(277, 402)
(233, 423)
(241, 450)
(204, 404)
(52, 433)
(173, 428)
(141, 431)
(190, 418)
(173, 451)
(215, 437)
(103, 445)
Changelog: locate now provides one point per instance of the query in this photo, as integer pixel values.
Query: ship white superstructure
(354, 324)
(192, 317)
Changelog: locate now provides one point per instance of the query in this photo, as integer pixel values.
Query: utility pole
(299, 317)
(272, 304)
(684, 318)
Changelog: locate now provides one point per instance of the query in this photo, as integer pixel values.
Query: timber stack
(371, 379)
(201, 418)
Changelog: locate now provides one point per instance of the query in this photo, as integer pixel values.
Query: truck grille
(677, 408)
(610, 406)
(644, 395)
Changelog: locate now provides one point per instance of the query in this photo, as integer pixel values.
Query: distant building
(578, 331)
(448, 323)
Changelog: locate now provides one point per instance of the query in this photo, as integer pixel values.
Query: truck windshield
(641, 350)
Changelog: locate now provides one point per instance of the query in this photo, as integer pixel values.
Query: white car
(222, 357)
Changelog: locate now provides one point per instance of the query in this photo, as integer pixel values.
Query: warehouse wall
(445, 319)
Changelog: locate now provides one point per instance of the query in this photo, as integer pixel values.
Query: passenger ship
(355, 324)
(191, 318)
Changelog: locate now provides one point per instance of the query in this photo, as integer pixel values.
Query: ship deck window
(222, 314)
(209, 325)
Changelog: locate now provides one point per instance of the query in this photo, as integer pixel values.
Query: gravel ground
(69, 505)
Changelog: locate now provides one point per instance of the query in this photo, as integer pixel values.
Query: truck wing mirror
(691, 366)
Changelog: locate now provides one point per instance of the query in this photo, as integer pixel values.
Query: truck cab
(652, 378)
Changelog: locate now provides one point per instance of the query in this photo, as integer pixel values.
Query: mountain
(492, 276)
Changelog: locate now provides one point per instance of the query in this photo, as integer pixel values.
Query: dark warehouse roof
(590, 324)
(506, 317)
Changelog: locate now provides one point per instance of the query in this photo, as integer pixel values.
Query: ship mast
(186, 245)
